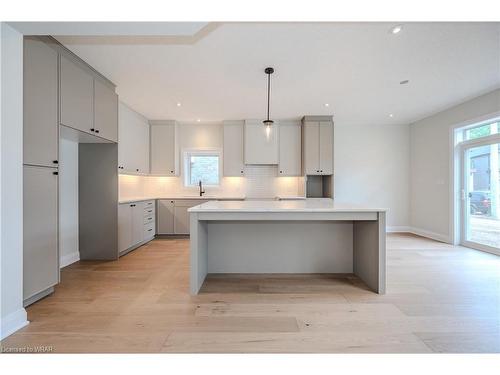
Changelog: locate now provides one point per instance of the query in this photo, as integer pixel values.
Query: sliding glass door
(481, 194)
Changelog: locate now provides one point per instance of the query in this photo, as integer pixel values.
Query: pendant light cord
(268, 93)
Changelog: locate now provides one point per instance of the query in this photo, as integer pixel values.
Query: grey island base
(307, 236)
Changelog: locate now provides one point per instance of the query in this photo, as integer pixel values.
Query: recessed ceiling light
(327, 105)
(391, 115)
(404, 82)
(178, 104)
(396, 29)
(198, 120)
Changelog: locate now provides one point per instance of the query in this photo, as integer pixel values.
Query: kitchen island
(303, 236)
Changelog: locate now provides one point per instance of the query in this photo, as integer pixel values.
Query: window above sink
(202, 165)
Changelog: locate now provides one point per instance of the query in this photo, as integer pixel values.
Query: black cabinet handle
(55, 173)
(171, 171)
(149, 230)
(97, 131)
(92, 130)
(137, 169)
(55, 161)
(281, 171)
(241, 171)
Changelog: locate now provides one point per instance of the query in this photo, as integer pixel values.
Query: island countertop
(306, 205)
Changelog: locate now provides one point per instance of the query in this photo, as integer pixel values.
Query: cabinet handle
(149, 230)
(97, 131)
(92, 130)
(171, 171)
(241, 171)
(55, 161)
(281, 171)
(171, 201)
(55, 173)
(137, 170)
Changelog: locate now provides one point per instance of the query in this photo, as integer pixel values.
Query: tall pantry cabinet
(40, 161)
(63, 96)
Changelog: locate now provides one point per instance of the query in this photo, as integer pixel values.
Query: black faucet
(201, 189)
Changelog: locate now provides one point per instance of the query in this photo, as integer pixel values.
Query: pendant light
(268, 122)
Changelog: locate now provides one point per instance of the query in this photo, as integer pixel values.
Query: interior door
(481, 196)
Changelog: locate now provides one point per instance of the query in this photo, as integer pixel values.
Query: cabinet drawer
(149, 211)
(149, 230)
(149, 204)
(149, 219)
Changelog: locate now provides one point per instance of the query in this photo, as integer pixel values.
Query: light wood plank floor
(440, 298)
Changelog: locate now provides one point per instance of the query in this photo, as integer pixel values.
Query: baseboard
(398, 229)
(13, 322)
(432, 235)
(68, 259)
(418, 232)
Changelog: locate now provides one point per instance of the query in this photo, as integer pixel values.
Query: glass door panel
(482, 195)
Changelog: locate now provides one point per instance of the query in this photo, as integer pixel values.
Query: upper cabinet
(233, 148)
(133, 145)
(40, 129)
(164, 148)
(77, 97)
(105, 111)
(317, 141)
(87, 103)
(261, 144)
(289, 150)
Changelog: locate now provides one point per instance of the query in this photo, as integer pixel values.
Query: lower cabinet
(40, 232)
(136, 224)
(173, 215)
(165, 216)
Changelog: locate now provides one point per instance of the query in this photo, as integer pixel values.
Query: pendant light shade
(268, 122)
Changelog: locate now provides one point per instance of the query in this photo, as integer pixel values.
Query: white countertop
(182, 197)
(306, 205)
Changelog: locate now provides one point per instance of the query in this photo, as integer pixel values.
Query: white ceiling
(355, 67)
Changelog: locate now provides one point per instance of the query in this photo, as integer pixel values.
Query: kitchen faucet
(201, 189)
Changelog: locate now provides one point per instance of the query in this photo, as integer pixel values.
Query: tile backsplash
(260, 181)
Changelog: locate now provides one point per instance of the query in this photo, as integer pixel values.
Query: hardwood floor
(440, 298)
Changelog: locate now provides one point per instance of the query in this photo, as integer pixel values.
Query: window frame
(186, 162)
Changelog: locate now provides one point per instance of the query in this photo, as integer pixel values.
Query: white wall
(371, 166)
(68, 202)
(431, 157)
(12, 313)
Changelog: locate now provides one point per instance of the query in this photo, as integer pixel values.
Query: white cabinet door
(233, 149)
(311, 148)
(40, 104)
(326, 148)
(290, 150)
(181, 215)
(76, 96)
(165, 216)
(164, 151)
(124, 226)
(137, 222)
(40, 234)
(261, 146)
(105, 111)
(133, 144)
(181, 220)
